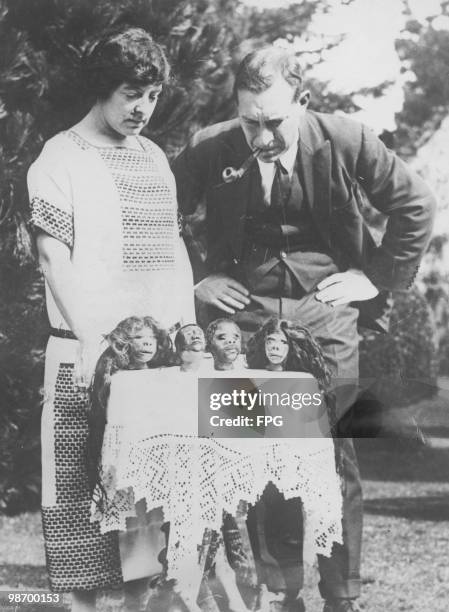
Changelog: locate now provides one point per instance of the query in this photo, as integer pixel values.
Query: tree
(403, 363)
(422, 131)
(424, 51)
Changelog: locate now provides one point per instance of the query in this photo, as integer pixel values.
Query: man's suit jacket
(342, 162)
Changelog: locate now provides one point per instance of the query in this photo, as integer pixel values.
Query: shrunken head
(224, 341)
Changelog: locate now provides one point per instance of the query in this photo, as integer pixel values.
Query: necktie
(281, 188)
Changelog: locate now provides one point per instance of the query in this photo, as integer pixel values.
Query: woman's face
(129, 108)
(143, 348)
(276, 349)
(226, 343)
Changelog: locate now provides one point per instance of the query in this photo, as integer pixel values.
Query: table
(152, 451)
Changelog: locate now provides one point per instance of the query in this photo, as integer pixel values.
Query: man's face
(270, 120)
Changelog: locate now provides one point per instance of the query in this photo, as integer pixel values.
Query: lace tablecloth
(151, 450)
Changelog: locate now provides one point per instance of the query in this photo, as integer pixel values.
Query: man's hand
(344, 287)
(223, 292)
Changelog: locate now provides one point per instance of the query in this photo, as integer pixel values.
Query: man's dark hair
(260, 68)
(124, 55)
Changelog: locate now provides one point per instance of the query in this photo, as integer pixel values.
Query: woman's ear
(304, 98)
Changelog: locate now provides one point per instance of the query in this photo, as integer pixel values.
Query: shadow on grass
(31, 576)
(429, 508)
(439, 432)
(399, 460)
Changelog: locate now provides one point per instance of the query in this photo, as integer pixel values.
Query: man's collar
(311, 137)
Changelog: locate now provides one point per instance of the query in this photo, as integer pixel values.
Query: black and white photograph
(224, 305)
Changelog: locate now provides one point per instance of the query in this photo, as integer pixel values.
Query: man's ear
(304, 98)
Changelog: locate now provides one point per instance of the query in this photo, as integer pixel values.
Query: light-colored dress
(116, 210)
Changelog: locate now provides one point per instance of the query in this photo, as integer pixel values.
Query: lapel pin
(231, 174)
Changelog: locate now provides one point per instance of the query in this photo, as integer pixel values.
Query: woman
(104, 209)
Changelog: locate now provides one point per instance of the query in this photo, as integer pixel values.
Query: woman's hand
(89, 350)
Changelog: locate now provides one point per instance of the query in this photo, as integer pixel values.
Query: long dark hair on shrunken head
(304, 355)
(118, 356)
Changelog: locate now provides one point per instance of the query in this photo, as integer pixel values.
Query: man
(287, 238)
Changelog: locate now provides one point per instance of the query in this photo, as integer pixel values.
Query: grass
(406, 532)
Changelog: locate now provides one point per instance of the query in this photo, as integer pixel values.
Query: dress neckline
(86, 144)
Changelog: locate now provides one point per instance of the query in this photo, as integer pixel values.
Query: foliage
(403, 363)
(204, 40)
(424, 51)
(21, 373)
(435, 286)
(285, 22)
(21, 305)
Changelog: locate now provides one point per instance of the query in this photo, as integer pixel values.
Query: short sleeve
(50, 198)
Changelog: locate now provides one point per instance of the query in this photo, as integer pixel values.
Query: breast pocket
(347, 221)
(346, 196)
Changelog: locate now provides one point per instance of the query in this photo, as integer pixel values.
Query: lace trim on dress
(52, 220)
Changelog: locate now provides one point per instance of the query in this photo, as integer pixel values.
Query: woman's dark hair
(116, 357)
(305, 353)
(125, 55)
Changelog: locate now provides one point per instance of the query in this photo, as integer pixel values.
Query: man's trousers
(336, 329)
